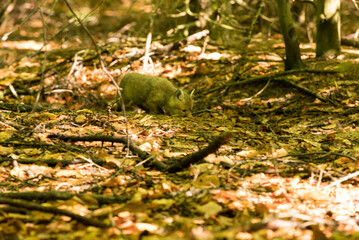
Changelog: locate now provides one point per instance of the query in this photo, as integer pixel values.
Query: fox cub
(155, 95)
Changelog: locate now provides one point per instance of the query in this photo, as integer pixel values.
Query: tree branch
(172, 165)
(34, 206)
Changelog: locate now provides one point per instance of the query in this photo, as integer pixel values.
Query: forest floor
(290, 170)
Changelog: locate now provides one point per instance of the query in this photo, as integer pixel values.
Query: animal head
(180, 103)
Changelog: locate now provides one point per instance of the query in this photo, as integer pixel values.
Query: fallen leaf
(210, 209)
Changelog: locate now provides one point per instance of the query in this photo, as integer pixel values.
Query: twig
(280, 74)
(103, 68)
(247, 41)
(50, 162)
(91, 162)
(320, 152)
(14, 93)
(149, 40)
(343, 179)
(75, 63)
(176, 45)
(276, 78)
(257, 94)
(250, 32)
(55, 195)
(43, 62)
(154, 163)
(268, 77)
(103, 138)
(6, 35)
(55, 35)
(27, 108)
(147, 51)
(27, 182)
(304, 90)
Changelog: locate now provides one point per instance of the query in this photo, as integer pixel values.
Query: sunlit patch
(30, 44)
(270, 56)
(351, 51)
(214, 56)
(192, 48)
(307, 46)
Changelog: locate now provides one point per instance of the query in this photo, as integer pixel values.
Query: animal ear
(191, 94)
(179, 94)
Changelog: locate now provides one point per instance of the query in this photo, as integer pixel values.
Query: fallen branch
(176, 45)
(172, 165)
(49, 162)
(350, 42)
(181, 163)
(323, 153)
(278, 77)
(304, 90)
(238, 81)
(55, 195)
(34, 206)
(280, 74)
(25, 108)
(343, 179)
(103, 138)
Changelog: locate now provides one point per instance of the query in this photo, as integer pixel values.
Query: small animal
(155, 95)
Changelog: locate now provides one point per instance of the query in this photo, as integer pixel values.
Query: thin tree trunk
(328, 28)
(292, 50)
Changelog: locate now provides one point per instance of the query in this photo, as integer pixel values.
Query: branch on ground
(172, 165)
(55, 195)
(34, 206)
(278, 77)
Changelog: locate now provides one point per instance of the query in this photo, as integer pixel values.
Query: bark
(292, 50)
(328, 28)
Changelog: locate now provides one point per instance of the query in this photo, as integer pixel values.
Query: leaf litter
(282, 176)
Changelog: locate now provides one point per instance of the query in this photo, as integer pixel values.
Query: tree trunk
(328, 28)
(292, 50)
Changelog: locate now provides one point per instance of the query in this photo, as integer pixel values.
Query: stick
(172, 165)
(34, 206)
(343, 179)
(103, 68)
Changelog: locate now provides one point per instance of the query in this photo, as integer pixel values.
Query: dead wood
(56, 195)
(50, 162)
(280, 74)
(171, 166)
(350, 42)
(304, 90)
(176, 45)
(34, 206)
(184, 162)
(265, 78)
(25, 108)
(278, 77)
